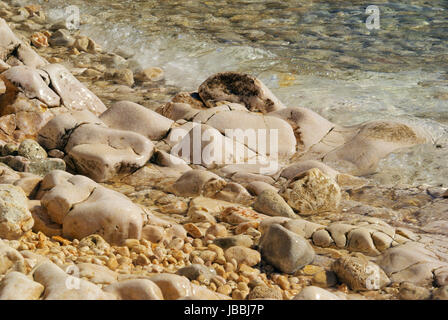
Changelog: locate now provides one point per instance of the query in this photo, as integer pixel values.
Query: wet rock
(312, 192)
(83, 208)
(15, 218)
(121, 76)
(193, 272)
(61, 286)
(17, 286)
(198, 182)
(126, 115)
(62, 37)
(31, 82)
(409, 291)
(74, 95)
(239, 88)
(10, 259)
(242, 255)
(271, 203)
(284, 249)
(315, 293)
(359, 273)
(135, 289)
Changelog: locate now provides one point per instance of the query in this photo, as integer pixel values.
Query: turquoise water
(315, 54)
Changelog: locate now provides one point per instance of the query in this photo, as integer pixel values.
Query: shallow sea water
(314, 54)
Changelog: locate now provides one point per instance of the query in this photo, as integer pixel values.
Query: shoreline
(213, 224)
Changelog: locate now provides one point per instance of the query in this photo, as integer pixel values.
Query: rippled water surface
(316, 54)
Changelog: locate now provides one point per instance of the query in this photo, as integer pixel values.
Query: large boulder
(126, 115)
(238, 88)
(84, 207)
(15, 218)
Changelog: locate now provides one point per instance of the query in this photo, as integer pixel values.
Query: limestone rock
(312, 192)
(239, 88)
(409, 291)
(285, 250)
(15, 218)
(62, 37)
